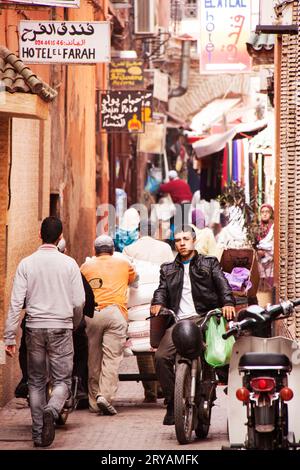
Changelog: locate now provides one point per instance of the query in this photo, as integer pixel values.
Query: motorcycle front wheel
(183, 407)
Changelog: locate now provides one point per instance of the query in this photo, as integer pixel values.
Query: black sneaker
(48, 431)
(169, 419)
(37, 443)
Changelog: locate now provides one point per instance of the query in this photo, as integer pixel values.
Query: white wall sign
(76, 42)
(160, 87)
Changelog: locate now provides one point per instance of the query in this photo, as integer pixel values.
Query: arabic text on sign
(30, 34)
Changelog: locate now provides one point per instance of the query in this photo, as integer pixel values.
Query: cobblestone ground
(136, 426)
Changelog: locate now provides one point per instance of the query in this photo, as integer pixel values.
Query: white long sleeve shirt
(51, 284)
(186, 307)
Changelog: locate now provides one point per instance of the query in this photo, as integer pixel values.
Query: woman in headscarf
(205, 240)
(127, 232)
(265, 246)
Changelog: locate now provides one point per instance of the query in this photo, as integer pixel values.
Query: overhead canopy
(217, 142)
(211, 113)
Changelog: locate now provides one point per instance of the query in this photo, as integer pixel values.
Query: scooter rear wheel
(183, 407)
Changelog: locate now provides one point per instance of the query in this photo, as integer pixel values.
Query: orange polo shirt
(109, 277)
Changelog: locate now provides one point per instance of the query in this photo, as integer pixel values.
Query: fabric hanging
(260, 179)
(225, 167)
(229, 163)
(246, 171)
(235, 166)
(242, 163)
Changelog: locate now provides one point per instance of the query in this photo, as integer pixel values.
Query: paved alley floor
(137, 426)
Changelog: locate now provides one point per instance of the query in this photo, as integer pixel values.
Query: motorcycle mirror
(253, 311)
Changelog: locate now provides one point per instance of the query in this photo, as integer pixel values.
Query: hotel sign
(225, 29)
(73, 42)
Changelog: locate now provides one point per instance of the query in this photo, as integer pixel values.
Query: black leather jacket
(210, 288)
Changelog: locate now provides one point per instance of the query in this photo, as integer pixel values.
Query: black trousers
(165, 357)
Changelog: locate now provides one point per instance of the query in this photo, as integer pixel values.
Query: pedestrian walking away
(109, 277)
(50, 284)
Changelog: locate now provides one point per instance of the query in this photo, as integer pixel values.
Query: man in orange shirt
(109, 278)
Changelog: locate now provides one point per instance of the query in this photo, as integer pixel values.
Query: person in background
(180, 193)
(205, 241)
(109, 278)
(51, 284)
(191, 285)
(147, 248)
(127, 231)
(265, 247)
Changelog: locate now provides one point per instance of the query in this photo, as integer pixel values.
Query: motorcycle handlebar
(237, 327)
(230, 332)
(271, 313)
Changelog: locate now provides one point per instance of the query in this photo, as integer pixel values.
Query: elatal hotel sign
(224, 31)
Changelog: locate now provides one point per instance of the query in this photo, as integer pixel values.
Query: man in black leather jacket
(191, 285)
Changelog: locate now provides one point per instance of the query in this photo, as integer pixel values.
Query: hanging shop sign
(51, 3)
(126, 74)
(123, 111)
(154, 137)
(74, 42)
(225, 29)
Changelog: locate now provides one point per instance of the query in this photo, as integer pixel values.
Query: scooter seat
(254, 360)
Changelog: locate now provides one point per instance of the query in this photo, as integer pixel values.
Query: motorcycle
(195, 380)
(265, 401)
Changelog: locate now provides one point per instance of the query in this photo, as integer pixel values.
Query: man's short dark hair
(185, 228)
(51, 229)
(104, 249)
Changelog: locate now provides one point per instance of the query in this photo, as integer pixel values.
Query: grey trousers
(106, 333)
(49, 355)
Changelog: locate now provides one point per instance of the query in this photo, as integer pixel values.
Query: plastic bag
(218, 351)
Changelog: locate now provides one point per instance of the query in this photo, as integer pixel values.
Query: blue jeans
(49, 355)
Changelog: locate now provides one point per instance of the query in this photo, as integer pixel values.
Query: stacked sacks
(140, 296)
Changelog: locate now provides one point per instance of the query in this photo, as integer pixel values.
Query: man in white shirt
(50, 284)
(190, 286)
